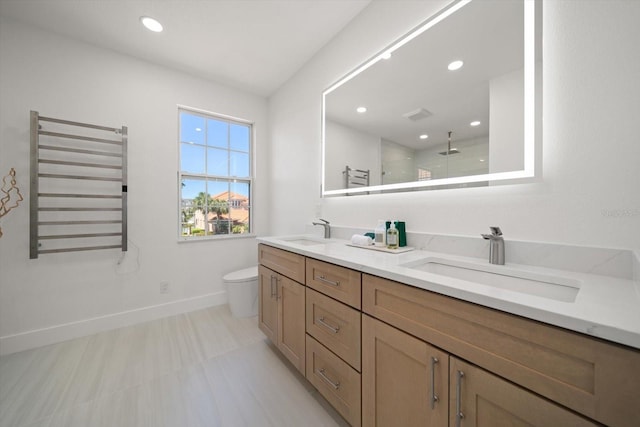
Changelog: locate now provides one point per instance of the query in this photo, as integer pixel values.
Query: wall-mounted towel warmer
(78, 197)
(355, 177)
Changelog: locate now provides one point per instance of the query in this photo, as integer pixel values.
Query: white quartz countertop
(604, 307)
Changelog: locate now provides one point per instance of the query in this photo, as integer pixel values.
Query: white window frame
(189, 175)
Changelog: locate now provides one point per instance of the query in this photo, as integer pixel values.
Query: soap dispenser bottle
(380, 233)
(392, 236)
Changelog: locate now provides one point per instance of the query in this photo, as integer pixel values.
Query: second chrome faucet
(496, 245)
(327, 227)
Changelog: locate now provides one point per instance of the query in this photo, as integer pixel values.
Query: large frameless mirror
(451, 104)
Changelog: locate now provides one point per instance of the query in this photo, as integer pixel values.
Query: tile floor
(203, 368)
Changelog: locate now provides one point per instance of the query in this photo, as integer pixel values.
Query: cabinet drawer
(283, 262)
(338, 282)
(335, 325)
(338, 382)
(598, 379)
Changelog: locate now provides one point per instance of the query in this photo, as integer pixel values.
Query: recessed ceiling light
(481, 160)
(455, 65)
(424, 136)
(475, 123)
(361, 109)
(151, 24)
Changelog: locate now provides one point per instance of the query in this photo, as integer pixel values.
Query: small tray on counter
(384, 248)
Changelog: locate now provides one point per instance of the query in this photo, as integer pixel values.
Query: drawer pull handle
(335, 330)
(459, 414)
(327, 380)
(434, 396)
(327, 281)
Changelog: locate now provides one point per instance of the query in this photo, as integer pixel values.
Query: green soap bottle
(392, 236)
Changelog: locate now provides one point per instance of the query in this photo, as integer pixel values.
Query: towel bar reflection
(355, 177)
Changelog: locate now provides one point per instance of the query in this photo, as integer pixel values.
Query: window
(215, 175)
(424, 174)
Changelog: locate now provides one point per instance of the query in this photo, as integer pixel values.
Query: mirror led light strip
(529, 105)
(529, 86)
(453, 7)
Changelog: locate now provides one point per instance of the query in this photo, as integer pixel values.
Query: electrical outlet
(164, 287)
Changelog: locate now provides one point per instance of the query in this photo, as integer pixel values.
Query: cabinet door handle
(335, 330)
(327, 380)
(434, 396)
(274, 292)
(327, 281)
(459, 414)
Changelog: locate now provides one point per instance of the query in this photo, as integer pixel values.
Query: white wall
(88, 291)
(506, 115)
(589, 190)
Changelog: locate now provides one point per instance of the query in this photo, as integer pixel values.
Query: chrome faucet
(496, 245)
(327, 227)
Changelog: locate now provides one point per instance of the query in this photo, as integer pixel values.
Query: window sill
(217, 237)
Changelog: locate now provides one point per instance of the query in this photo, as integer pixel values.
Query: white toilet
(242, 289)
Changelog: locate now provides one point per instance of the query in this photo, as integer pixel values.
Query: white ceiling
(416, 76)
(255, 45)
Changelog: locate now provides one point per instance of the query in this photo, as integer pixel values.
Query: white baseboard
(58, 333)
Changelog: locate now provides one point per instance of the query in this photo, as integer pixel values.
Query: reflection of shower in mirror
(449, 149)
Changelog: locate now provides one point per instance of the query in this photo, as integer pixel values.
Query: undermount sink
(304, 241)
(503, 277)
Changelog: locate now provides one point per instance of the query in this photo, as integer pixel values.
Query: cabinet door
(404, 380)
(291, 321)
(268, 304)
(479, 398)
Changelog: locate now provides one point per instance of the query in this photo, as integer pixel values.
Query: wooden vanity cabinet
(281, 309)
(388, 354)
(597, 379)
(406, 381)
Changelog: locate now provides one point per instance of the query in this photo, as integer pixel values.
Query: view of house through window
(215, 175)
(424, 174)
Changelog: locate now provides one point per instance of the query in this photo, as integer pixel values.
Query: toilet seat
(243, 275)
